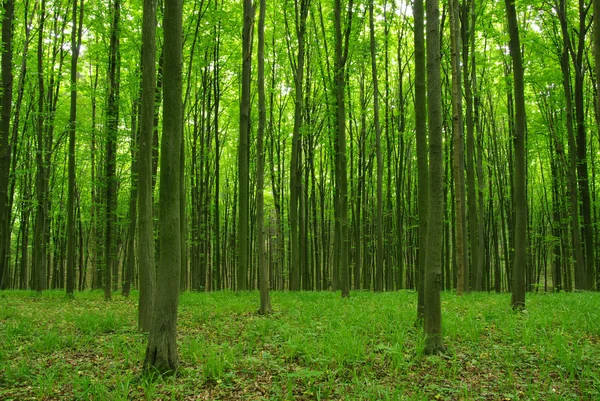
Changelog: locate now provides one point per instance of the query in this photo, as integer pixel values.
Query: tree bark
(580, 273)
(520, 192)
(433, 259)
(422, 158)
(39, 251)
(110, 250)
(145, 152)
(71, 229)
(243, 150)
(5, 148)
(265, 300)
(161, 353)
(458, 157)
(341, 56)
(379, 222)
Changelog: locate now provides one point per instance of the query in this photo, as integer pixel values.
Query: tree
(145, 227)
(572, 168)
(41, 185)
(161, 353)
(5, 149)
(265, 300)
(435, 220)
(341, 56)
(110, 245)
(75, 45)
(301, 7)
(422, 160)
(520, 192)
(458, 156)
(379, 224)
(244, 150)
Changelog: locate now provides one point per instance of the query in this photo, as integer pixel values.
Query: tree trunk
(161, 353)
(458, 157)
(341, 56)
(265, 300)
(110, 250)
(133, 200)
(580, 279)
(520, 192)
(433, 258)
(379, 222)
(39, 251)
(596, 52)
(473, 219)
(243, 150)
(582, 168)
(422, 158)
(71, 230)
(145, 152)
(5, 148)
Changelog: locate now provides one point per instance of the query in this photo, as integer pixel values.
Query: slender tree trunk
(161, 353)
(133, 200)
(422, 158)
(217, 97)
(470, 161)
(301, 8)
(458, 157)
(265, 300)
(39, 251)
(520, 192)
(145, 152)
(433, 258)
(111, 259)
(5, 148)
(243, 150)
(582, 166)
(577, 245)
(596, 52)
(341, 56)
(71, 230)
(379, 221)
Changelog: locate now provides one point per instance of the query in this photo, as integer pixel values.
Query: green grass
(316, 346)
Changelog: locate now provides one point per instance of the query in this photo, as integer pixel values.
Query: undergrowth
(316, 346)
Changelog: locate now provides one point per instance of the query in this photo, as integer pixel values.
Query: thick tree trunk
(161, 353)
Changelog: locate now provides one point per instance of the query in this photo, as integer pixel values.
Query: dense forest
(339, 193)
(54, 207)
(169, 146)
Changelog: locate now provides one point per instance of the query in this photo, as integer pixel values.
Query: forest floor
(316, 346)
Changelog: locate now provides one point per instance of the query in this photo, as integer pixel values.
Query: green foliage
(316, 346)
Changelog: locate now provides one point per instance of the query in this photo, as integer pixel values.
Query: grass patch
(316, 346)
